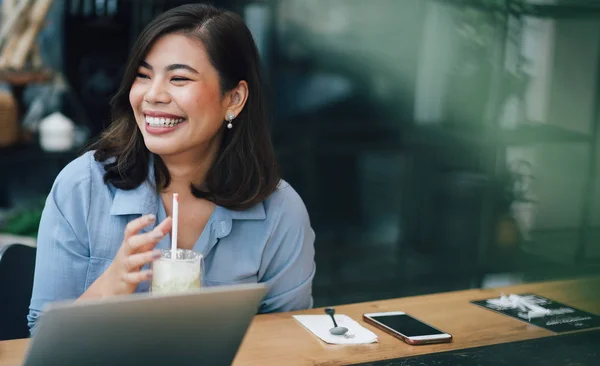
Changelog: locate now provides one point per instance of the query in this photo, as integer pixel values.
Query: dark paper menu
(562, 318)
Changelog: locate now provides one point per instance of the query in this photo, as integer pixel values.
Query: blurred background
(438, 144)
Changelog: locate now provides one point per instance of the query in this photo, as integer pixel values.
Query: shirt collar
(256, 212)
(140, 200)
(223, 218)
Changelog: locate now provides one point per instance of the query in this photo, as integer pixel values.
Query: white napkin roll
(319, 325)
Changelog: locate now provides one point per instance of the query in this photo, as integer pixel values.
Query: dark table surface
(573, 349)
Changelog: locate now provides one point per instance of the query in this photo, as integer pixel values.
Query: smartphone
(407, 328)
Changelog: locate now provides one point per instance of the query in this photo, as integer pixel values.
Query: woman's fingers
(144, 242)
(147, 241)
(133, 278)
(134, 226)
(135, 261)
(138, 248)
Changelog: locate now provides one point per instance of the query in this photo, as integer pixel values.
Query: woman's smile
(158, 123)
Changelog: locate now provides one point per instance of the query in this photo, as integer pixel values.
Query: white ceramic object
(57, 133)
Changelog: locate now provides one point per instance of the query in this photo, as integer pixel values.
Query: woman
(188, 118)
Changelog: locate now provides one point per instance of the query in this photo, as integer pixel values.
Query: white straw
(174, 231)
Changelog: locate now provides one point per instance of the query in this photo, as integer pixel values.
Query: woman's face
(176, 98)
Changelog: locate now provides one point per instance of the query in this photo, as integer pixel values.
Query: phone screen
(406, 325)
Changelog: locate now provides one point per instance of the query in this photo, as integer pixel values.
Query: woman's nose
(157, 94)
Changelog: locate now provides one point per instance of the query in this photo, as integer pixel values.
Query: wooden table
(278, 339)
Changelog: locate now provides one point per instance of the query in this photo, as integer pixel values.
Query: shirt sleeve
(288, 258)
(62, 251)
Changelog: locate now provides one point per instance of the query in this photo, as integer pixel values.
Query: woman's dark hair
(245, 171)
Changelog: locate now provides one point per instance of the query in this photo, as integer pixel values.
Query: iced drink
(179, 275)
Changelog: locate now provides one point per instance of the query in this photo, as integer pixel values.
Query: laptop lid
(204, 327)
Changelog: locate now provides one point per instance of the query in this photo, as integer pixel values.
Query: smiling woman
(189, 118)
(201, 65)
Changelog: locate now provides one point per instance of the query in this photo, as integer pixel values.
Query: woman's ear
(237, 98)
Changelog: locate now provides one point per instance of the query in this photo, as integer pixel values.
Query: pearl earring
(230, 118)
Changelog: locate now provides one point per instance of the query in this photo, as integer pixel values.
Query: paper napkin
(319, 325)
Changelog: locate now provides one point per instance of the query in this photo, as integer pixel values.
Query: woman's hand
(137, 250)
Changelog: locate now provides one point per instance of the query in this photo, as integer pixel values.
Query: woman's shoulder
(81, 171)
(285, 204)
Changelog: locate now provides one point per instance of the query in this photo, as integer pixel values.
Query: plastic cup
(180, 275)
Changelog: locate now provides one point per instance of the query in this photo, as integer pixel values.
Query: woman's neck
(187, 168)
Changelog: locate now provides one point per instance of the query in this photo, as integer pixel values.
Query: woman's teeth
(163, 122)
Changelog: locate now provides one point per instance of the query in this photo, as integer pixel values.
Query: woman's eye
(178, 78)
(142, 76)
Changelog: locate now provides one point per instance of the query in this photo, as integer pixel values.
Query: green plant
(24, 221)
(514, 184)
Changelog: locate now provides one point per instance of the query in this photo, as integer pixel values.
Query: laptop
(203, 327)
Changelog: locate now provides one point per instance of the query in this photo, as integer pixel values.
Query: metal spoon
(335, 330)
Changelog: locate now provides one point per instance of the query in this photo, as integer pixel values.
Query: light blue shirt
(84, 220)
